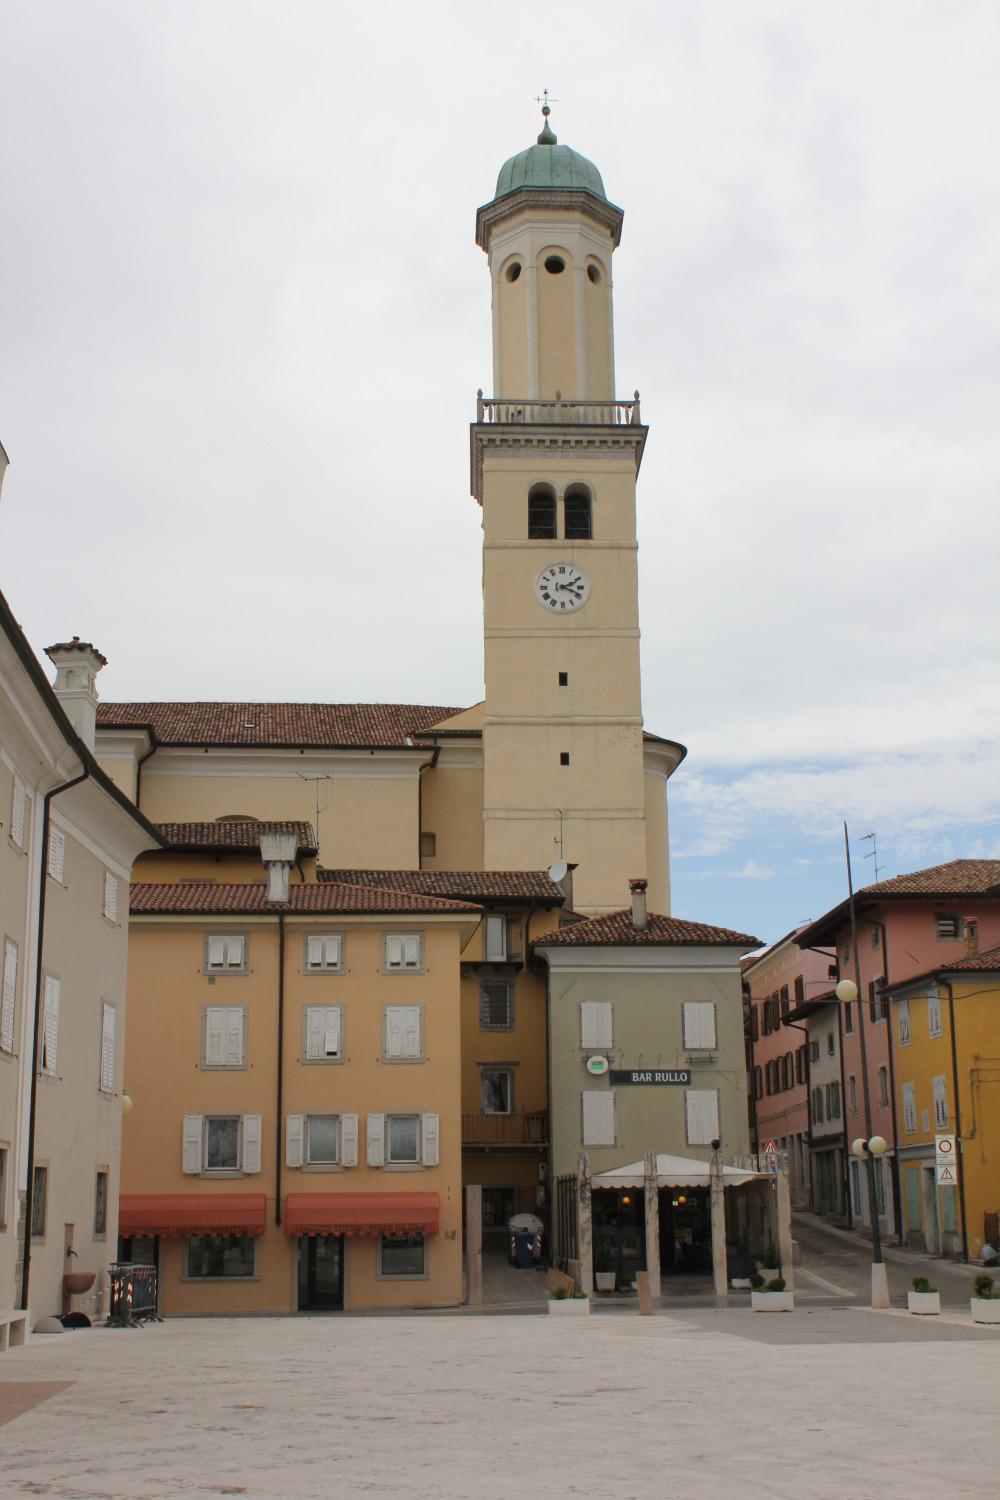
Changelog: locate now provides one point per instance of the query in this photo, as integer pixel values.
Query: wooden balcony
(529, 1129)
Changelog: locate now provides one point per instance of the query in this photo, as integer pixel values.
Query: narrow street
(839, 1263)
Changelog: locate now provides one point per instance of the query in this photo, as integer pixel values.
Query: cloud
(752, 870)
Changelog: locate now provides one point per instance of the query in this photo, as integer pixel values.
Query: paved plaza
(715, 1403)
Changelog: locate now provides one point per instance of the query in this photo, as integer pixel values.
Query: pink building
(776, 983)
(906, 926)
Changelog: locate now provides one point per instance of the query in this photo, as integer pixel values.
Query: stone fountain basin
(77, 1282)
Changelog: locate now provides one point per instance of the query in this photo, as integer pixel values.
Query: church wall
(452, 809)
(556, 323)
(657, 847)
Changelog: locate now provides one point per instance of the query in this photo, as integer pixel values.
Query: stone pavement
(451, 1408)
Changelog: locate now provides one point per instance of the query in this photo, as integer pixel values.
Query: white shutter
(314, 952)
(940, 1101)
(394, 1030)
(234, 952)
(393, 952)
(331, 1031)
(191, 1151)
(17, 813)
(9, 996)
(702, 1111)
(496, 939)
(904, 1021)
(410, 1018)
(251, 1143)
(595, 1023)
(314, 1031)
(216, 952)
(57, 853)
(598, 1117)
(411, 950)
(110, 897)
(430, 1137)
(50, 1023)
(294, 1136)
(107, 1048)
(348, 1140)
(234, 1036)
(215, 1030)
(909, 1108)
(699, 1024)
(376, 1140)
(331, 951)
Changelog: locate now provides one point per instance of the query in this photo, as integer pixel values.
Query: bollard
(645, 1295)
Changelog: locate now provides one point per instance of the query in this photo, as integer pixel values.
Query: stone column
(473, 1245)
(584, 1226)
(652, 1206)
(718, 1197)
(783, 1208)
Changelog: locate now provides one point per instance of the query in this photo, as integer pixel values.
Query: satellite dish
(558, 870)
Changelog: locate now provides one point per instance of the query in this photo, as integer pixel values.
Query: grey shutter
(234, 1035)
(215, 1029)
(50, 1058)
(251, 1143)
(57, 853)
(376, 1140)
(348, 1140)
(9, 996)
(110, 897)
(191, 1150)
(430, 1135)
(394, 1030)
(595, 1023)
(107, 1048)
(598, 1117)
(294, 1137)
(702, 1114)
(17, 813)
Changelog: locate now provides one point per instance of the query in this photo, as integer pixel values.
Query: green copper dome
(549, 165)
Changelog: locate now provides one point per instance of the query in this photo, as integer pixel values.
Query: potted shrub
(605, 1277)
(924, 1299)
(770, 1296)
(985, 1304)
(566, 1304)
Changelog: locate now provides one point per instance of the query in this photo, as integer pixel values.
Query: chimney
(77, 664)
(637, 885)
(971, 928)
(278, 851)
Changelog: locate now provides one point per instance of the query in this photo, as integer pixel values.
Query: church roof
(616, 930)
(241, 833)
(344, 726)
(476, 885)
(549, 167)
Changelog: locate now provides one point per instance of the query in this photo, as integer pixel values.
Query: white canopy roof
(671, 1171)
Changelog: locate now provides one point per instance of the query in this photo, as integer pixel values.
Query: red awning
(181, 1214)
(362, 1213)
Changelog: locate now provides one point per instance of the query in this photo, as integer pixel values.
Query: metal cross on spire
(545, 99)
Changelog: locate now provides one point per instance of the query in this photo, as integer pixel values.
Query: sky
(243, 319)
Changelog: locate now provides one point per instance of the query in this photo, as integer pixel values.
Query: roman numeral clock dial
(562, 587)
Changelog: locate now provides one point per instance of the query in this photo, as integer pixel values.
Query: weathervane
(545, 99)
(547, 137)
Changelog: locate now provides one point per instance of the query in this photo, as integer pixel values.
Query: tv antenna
(873, 852)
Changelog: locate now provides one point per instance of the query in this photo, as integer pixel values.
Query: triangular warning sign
(945, 1175)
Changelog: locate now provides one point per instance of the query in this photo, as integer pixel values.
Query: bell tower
(554, 462)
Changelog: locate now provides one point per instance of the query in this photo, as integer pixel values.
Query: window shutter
(331, 1032)
(394, 1030)
(234, 1035)
(411, 950)
(294, 1135)
(496, 939)
(50, 1040)
(214, 1036)
(699, 1024)
(702, 1110)
(191, 1154)
(595, 1023)
(411, 1031)
(598, 1117)
(430, 1134)
(314, 952)
(216, 952)
(904, 1022)
(394, 952)
(376, 1140)
(314, 1031)
(940, 1101)
(110, 897)
(251, 1143)
(107, 1048)
(17, 813)
(234, 953)
(909, 1107)
(57, 853)
(348, 1140)
(9, 996)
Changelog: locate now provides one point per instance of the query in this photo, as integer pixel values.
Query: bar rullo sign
(651, 1075)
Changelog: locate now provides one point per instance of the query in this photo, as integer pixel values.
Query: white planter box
(985, 1309)
(772, 1301)
(923, 1303)
(606, 1280)
(569, 1307)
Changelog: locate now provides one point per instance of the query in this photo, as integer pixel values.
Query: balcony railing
(529, 1128)
(573, 413)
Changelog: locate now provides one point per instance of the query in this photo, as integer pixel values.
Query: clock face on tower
(562, 587)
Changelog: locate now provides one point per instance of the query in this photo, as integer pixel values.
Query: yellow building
(946, 1036)
(294, 1060)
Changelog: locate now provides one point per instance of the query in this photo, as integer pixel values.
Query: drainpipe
(138, 770)
(33, 1098)
(959, 1163)
(279, 1093)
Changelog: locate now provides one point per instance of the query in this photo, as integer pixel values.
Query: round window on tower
(554, 264)
(594, 274)
(513, 270)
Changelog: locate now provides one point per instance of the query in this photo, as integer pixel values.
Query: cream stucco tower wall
(565, 766)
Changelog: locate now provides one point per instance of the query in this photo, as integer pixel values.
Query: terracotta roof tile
(335, 725)
(182, 898)
(986, 961)
(511, 885)
(959, 877)
(616, 929)
(239, 834)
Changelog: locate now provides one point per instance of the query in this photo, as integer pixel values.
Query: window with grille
(542, 514)
(577, 514)
(39, 1190)
(496, 1005)
(948, 926)
(101, 1204)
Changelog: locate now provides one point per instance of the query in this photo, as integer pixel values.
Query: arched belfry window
(542, 512)
(579, 527)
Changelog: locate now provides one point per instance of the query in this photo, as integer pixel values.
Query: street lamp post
(848, 992)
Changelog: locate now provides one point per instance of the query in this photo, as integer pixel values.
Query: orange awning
(362, 1213)
(176, 1214)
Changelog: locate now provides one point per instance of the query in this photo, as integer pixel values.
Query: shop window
(220, 1256)
(402, 1255)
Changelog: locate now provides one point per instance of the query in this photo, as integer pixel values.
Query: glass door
(321, 1272)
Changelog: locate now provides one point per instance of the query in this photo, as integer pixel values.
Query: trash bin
(523, 1249)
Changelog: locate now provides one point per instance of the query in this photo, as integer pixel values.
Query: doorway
(932, 1229)
(685, 1231)
(321, 1273)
